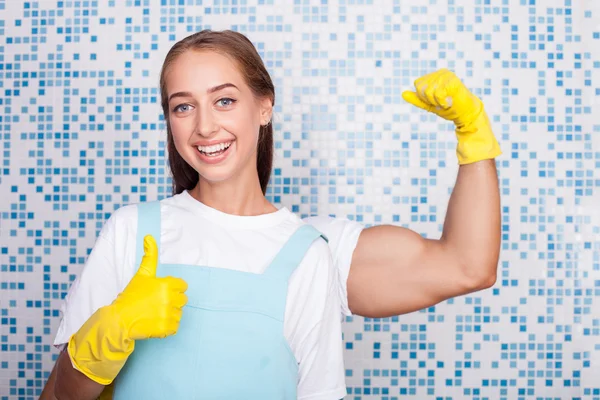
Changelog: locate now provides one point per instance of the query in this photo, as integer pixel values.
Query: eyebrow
(209, 91)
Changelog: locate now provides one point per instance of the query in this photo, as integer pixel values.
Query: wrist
(116, 328)
(476, 140)
(101, 346)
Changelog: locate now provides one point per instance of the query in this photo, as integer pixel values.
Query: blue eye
(226, 101)
(182, 108)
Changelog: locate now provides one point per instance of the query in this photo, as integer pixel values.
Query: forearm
(48, 391)
(472, 225)
(72, 384)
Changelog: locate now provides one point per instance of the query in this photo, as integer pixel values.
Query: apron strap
(292, 253)
(148, 224)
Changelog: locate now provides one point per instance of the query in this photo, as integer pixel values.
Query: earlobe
(266, 120)
(266, 113)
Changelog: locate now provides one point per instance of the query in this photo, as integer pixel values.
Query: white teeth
(214, 148)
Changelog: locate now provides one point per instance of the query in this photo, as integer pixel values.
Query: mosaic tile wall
(81, 134)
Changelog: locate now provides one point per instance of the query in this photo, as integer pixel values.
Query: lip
(217, 159)
(205, 143)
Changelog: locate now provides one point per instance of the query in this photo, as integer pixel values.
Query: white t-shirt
(195, 234)
(342, 235)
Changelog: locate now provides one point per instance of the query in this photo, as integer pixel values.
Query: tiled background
(81, 134)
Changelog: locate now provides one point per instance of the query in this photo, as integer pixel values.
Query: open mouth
(214, 150)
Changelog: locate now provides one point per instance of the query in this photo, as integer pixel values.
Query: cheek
(179, 130)
(180, 137)
(243, 124)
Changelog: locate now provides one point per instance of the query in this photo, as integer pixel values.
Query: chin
(214, 177)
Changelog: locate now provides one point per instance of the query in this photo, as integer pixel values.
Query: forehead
(200, 70)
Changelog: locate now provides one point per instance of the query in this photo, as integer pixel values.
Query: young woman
(389, 270)
(239, 299)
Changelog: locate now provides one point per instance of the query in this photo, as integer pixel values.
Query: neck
(241, 196)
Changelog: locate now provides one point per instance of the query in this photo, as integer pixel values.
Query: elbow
(62, 384)
(480, 276)
(477, 271)
(59, 393)
(486, 281)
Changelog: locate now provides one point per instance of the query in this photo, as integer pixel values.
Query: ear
(266, 111)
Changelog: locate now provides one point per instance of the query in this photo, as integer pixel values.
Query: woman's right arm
(149, 307)
(72, 385)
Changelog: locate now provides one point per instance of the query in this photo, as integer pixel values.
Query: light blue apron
(230, 343)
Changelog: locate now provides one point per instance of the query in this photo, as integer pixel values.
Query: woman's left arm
(394, 270)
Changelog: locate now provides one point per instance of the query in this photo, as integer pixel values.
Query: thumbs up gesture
(149, 307)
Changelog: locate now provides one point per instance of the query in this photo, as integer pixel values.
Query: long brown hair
(242, 51)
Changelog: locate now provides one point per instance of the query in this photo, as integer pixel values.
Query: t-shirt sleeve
(314, 325)
(342, 235)
(102, 277)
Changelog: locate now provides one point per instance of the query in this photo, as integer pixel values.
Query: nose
(206, 123)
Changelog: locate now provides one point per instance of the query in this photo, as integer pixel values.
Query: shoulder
(334, 227)
(316, 269)
(125, 214)
(342, 234)
(124, 219)
(318, 253)
(319, 248)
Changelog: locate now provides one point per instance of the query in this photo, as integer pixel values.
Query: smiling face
(214, 117)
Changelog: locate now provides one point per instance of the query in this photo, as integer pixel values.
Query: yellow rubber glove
(149, 307)
(443, 94)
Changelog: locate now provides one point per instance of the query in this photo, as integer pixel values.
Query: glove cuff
(476, 141)
(100, 348)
